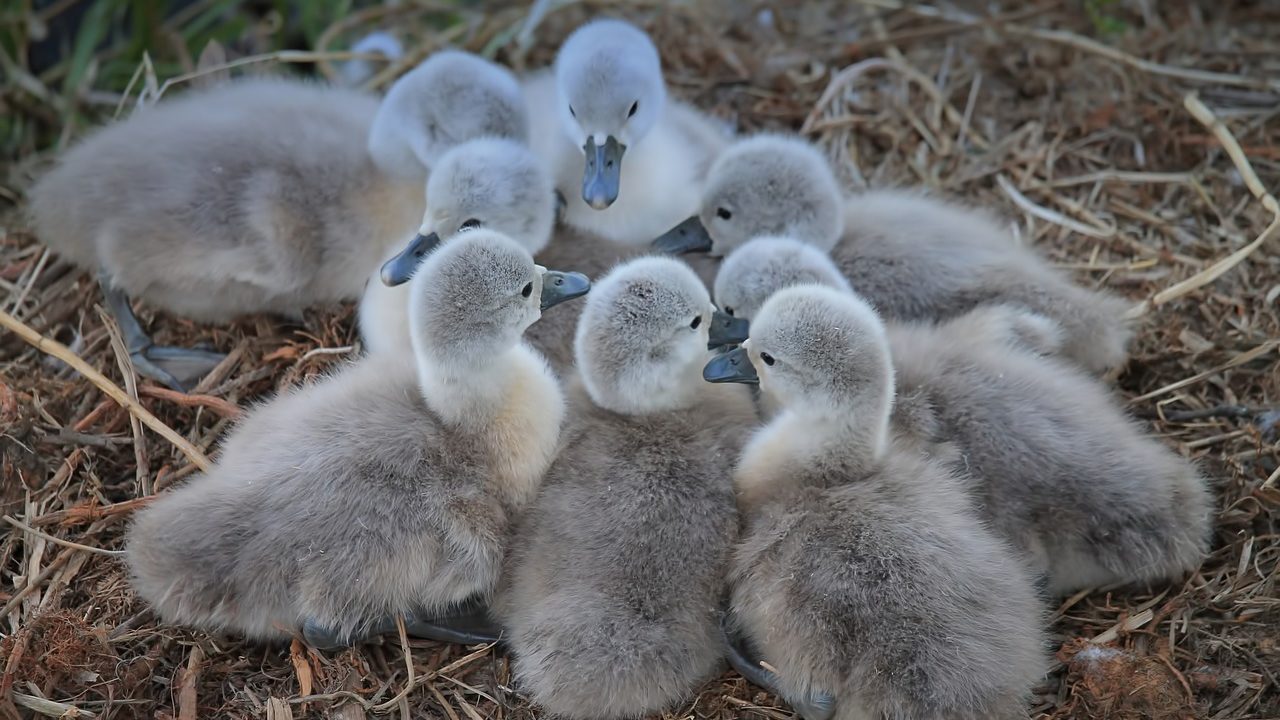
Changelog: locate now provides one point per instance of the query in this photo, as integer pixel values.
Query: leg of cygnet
(816, 706)
(179, 368)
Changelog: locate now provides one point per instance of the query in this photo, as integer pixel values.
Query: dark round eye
(528, 290)
(696, 322)
(767, 358)
(471, 224)
(728, 311)
(723, 214)
(571, 112)
(634, 107)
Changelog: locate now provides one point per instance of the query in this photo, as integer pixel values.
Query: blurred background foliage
(65, 63)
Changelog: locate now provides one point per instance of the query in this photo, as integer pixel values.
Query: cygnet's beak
(399, 269)
(560, 286)
(727, 330)
(689, 236)
(603, 175)
(731, 367)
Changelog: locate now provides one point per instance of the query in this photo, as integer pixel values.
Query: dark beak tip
(688, 237)
(399, 269)
(731, 367)
(560, 287)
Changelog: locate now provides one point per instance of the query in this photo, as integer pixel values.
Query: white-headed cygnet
(450, 98)
(628, 161)
(492, 183)
(864, 576)
(258, 195)
(383, 491)
(615, 576)
(913, 257)
(1057, 468)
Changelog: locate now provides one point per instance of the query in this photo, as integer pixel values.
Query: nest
(1132, 144)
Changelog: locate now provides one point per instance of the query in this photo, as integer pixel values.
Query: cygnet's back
(1058, 466)
(920, 258)
(913, 257)
(864, 575)
(384, 489)
(616, 573)
(255, 195)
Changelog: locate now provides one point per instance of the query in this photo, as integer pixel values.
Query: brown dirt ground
(1081, 139)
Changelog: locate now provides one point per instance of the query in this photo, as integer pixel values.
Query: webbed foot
(179, 368)
(817, 705)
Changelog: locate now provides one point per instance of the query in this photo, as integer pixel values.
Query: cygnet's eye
(528, 290)
(571, 112)
(634, 107)
(723, 213)
(728, 311)
(767, 358)
(696, 322)
(471, 224)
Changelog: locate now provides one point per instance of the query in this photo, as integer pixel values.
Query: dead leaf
(288, 352)
(187, 701)
(278, 709)
(298, 654)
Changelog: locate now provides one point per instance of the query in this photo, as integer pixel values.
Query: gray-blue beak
(560, 286)
(603, 174)
(727, 330)
(399, 269)
(689, 236)
(731, 367)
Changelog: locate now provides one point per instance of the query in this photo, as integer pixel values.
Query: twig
(1083, 43)
(1240, 359)
(34, 583)
(128, 372)
(1217, 411)
(1123, 176)
(63, 353)
(91, 511)
(220, 407)
(1048, 215)
(1206, 117)
(50, 708)
(411, 682)
(187, 698)
(59, 541)
(316, 352)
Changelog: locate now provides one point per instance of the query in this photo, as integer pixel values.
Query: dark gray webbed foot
(178, 368)
(324, 638)
(467, 623)
(742, 658)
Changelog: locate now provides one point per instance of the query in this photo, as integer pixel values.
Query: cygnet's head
(757, 270)
(450, 98)
(355, 72)
(492, 183)
(472, 299)
(821, 352)
(609, 80)
(764, 185)
(642, 337)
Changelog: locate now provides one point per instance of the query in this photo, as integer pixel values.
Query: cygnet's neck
(512, 402)
(470, 393)
(673, 394)
(802, 438)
